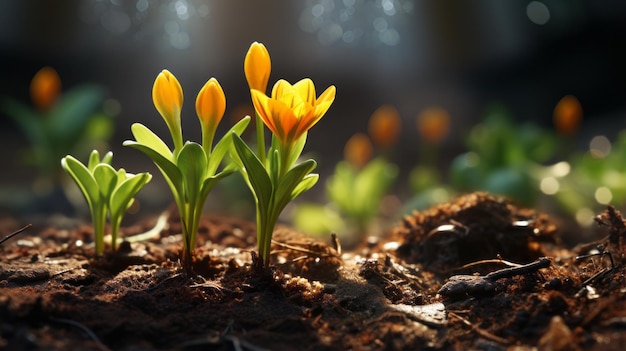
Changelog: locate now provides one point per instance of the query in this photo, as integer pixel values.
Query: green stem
(98, 216)
(260, 138)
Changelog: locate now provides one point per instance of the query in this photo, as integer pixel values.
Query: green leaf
(84, 179)
(224, 145)
(146, 137)
(290, 181)
(307, 183)
(28, 119)
(168, 168)
(106, 178)
(192, 164)
(297, 149)
(94, 160)
(257, 176)
(125, 191)
(68, 117)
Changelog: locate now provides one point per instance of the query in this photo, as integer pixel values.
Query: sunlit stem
(115, 228)
(208, 134)
(265, 229)
(98, 216)
(260, 138)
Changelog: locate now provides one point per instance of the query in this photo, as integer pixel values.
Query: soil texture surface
(477, 273)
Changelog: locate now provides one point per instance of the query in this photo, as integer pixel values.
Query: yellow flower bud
(167, 96)
(568, 115)
(384, 126)
(211, 103)
(433, 124)
(45, 88)
(257, 67)
(210, 106)
(358, 150)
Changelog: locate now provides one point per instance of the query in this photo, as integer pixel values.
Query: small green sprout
(190, 169)
(355, 192)
(106, 191)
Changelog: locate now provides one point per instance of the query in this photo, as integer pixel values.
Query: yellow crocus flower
(293, 109)
(167, 96)
(257, 67)
(45, 88)
(210, 107)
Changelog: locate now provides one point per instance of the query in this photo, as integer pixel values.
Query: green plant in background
(356, 189)
(275, 178)
(355, 192)
(107, 191)
(58, 123)
(504, 158)
(190, 169)
(425, 179)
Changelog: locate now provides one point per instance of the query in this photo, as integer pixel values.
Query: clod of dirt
(474, 227)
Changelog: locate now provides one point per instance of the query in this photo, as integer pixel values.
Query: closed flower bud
(45, 88)
(568, 115)
(257, 67)
(433, 124)
(384, 126)
(358, 150)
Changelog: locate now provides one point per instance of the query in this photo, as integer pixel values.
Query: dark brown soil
(499, 293)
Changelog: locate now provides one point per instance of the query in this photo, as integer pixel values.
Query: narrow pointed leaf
(290, 181)
(192, 164)
(146, 137)
(223, 146)
(257, 175)
(83, 178)
(106, 178)
(124, 193)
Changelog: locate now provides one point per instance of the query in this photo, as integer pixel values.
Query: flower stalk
(275, 178)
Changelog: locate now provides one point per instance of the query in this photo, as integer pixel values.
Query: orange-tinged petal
(262, 106)
(384, 126)
(167, 96)
(45, 88)
(211, 103)
(257, 67)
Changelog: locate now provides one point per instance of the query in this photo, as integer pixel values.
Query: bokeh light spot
(600, 146)
(549, 186)
(603, 195)
(538, 12)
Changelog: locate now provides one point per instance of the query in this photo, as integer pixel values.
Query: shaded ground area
(478, 273)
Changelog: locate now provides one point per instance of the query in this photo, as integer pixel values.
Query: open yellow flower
(257, 67)
(293, 109)
(167, 96)
(210, 106)
(45, 88)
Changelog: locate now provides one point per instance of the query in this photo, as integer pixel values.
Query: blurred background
(461, 57)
